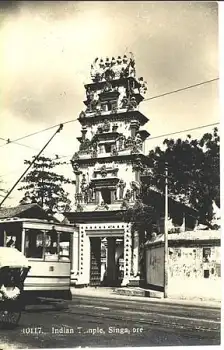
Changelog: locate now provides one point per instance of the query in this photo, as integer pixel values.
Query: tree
(143, 218)
(44, 186)
(194, 175)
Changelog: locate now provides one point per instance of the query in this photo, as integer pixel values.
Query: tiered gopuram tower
(107, 168)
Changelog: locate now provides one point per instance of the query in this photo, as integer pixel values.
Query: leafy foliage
(193, 171)
(44, 186)
(143, 218)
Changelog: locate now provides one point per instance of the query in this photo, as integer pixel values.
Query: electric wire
(182, 131)
(181, 89)
(149, 139)
(8, 141)
(37, 132)
(147, 99)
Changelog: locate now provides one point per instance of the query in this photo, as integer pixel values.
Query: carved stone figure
(106, 126)
(101, 148)
(107, 87)
(82, 115)
(89, 94)
(76, 167)
(125, 60)
(120, 142)
(121, 185)
(114, 127)
(93, 105)
(78, 198)
(94, 68)
(132, 71)
(124, 205)
(113, 63)
(86, 196)
(114, 151)
(103, 171)
(107, 63)
(76, 156)
(143, 87)
(122, 73)
(101, 70)
(83, 182)
(117, 67)
(128, 195)
(109, 74)
(129, 142)
(138, 165)
(85, 145)
(79, 208)
(94, 154)
(90, 193)
(132, 103)
(124, 102)
(134, 149)
(102, 206)
(138, 141)
(100, 129)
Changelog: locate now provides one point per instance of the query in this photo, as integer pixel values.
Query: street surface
(99, 322)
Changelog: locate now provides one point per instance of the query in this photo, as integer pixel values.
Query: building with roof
(194, 264)
(32, 211)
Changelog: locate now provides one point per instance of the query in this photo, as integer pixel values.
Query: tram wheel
(10, 314)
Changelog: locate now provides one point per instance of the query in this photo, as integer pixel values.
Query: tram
(48, 248)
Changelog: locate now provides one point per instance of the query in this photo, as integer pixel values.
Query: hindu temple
(107, 167)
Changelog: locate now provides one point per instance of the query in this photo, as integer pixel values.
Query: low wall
(155, 266)
(194, 267)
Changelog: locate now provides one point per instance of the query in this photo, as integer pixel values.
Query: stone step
(140, 292)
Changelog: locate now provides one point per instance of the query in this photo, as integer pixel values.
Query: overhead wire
(147, 99)
(149, 139)
(38, 132)
(8, 141)
(182, 131)
(181, 89)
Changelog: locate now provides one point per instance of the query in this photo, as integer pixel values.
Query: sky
(47, 47)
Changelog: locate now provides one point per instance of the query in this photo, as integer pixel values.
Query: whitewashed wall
(155, 266)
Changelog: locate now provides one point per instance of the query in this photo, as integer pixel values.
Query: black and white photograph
(110, 219)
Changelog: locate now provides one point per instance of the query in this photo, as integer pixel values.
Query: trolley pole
(33, 161)
(166, 233)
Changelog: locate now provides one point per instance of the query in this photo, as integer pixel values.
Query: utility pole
(10, 191)
(166, 233)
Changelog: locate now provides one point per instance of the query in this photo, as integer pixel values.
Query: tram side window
(51, 245)
(2, 237)
(34, 242)
(64, 246)
(10, 236)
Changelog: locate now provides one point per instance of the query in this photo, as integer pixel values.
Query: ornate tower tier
(112, 142)
(108, 165)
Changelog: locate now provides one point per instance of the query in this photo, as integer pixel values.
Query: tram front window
(34, 242)
(64, 246)
(51, 245)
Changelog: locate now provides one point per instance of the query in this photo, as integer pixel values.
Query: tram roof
(29, 212)
(32, 210)
(31, 220)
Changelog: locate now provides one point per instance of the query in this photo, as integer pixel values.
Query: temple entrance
(95, 261)
(106, 261)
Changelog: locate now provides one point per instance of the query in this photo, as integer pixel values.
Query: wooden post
(166, 233)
